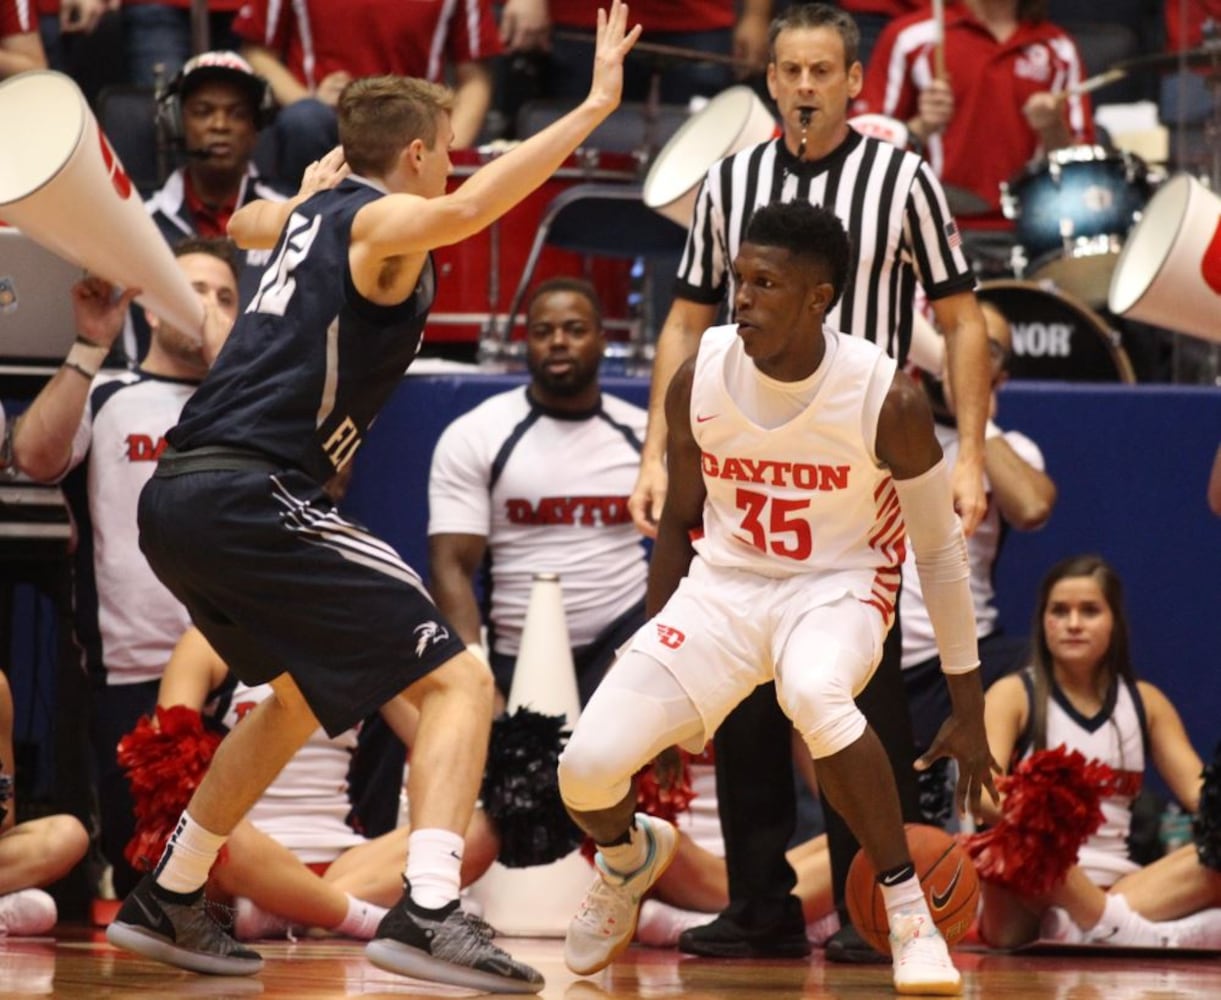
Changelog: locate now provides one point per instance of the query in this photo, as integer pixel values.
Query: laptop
(36, 324)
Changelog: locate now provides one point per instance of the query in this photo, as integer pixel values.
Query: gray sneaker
(447, 946)
(181, 934)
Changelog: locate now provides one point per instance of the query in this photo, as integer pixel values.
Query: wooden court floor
(80, 965)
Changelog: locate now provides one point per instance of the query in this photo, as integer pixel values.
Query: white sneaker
(1058, 926)
(252, 923)
(606, 919)
(660, 924)
(1200, 930)
(921, 959)
(27, 912)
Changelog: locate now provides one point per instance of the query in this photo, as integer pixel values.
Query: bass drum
(1056, 336)
(1072, 213)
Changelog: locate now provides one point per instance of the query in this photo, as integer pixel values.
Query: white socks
(362, 919)
(188, 857)
(434, 867)
(1120, 925)
(904, 897)
(624, 860)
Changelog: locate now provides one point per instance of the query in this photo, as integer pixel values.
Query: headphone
(226, 66)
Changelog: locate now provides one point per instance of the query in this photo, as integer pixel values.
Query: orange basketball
(946, 874)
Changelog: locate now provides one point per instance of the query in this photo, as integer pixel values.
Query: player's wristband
(86, 358)
(478, 652)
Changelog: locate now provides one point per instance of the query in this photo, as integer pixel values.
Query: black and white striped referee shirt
(893, 207)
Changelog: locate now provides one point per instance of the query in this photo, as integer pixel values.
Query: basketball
(946, 874)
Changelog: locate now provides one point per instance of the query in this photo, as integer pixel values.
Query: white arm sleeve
(941, 561)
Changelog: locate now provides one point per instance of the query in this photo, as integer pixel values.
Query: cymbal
(1201, 57)
(964, 202)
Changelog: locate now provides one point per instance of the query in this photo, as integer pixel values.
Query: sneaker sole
(143, 942)
(620, 948)
(393, 956)
(941, 989)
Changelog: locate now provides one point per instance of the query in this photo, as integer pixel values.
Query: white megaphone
(727, 124)
(62, 185)
(1169, 271)
(539, 901)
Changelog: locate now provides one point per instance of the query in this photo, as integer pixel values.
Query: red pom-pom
(165, 759)
(1051, 804)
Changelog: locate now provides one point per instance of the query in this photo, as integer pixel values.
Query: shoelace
(919, 947)
(602, 906)
(479, 925)
(224, 916)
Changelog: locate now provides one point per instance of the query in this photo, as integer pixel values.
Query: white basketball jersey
(549, 492)
(808, 496)
(126, 621)
(306, 807)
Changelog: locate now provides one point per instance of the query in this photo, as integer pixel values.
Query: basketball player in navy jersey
(796, 454)
(237, 524)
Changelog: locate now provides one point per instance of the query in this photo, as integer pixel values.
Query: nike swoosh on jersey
(939, 899)
(702, 419)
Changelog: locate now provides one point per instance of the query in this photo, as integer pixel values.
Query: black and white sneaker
(181, 934)
(447, 946)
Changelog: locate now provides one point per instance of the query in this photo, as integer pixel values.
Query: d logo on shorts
(671, 638)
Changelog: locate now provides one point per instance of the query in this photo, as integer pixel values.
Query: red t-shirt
(672, 15)
(315, 38)
(210, 220)
(988, 140)
(892, 8)
(16, 18)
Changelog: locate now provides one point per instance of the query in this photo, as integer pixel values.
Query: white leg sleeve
(637, 711)
(941, 561)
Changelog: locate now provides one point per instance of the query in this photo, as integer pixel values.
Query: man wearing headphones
(210, 114)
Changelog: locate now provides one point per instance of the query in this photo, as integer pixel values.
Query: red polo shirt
(315, 38)
(672, 15)
(17, 18)
(988, 139)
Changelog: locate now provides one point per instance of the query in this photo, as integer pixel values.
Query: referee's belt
(214, 458)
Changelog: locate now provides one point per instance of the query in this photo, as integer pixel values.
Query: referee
(903, 234)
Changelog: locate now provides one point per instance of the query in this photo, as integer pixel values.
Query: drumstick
(672, 51)
(1090, 84)
(939, 39)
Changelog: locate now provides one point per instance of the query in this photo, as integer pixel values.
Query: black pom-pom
(521, 792)
(6, 791)
(1206, 825)
(936, 790)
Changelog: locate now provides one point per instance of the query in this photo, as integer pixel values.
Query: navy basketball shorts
(279, 582)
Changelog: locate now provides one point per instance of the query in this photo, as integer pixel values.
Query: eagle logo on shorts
(429, 634)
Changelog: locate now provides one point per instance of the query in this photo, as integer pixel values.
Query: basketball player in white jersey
(798, 456)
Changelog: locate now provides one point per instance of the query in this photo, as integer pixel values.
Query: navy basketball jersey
(310, 362)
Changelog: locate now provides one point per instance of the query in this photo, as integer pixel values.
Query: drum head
(1056, 337)
(1085, 275)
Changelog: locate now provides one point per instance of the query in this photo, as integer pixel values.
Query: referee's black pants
(757, 800)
